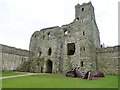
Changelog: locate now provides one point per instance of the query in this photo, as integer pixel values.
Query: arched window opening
(84, 48)
(65, 32)
(49, 34)
(77, 19)
(49, 51)
(82, 9)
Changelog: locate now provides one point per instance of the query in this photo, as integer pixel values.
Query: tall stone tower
(84, 14)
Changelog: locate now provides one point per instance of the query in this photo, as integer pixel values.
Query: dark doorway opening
(70, 48)
(41, 69)
(49, 66)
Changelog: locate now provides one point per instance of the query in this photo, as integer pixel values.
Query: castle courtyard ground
(38, 80)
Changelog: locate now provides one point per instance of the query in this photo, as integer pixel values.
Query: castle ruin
(59, 49)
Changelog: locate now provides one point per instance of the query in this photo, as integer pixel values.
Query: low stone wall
(11, 58)
(107, 60)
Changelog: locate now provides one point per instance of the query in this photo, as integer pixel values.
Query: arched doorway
(49, 66)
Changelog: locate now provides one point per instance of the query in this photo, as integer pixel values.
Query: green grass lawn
(9, 73)
(59, 81)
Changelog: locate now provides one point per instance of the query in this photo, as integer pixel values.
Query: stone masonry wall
(107, 60)
(11, 58)
(71, 45)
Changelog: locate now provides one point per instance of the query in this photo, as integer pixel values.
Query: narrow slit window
(84, 48)
(39, 54)
(83, 33)
(81, 20)
(49, 34)
(81, 63)
(49, 51)
(43, 36)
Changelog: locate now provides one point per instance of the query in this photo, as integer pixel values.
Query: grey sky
(20, 18)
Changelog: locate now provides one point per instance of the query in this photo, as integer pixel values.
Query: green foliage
(59, 81)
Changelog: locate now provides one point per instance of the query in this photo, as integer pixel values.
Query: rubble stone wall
(71, 45)
(107, 60)
(11, 58)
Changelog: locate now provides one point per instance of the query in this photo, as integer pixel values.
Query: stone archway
(49, 65)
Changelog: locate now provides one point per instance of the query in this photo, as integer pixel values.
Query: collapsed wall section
(11, 58)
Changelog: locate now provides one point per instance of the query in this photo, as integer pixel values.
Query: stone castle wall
(107, 60)
(72, 45)
(11, 58)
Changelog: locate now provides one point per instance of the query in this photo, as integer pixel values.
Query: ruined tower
(89, 39)
(59, 49)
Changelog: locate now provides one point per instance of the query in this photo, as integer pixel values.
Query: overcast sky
(19, 19)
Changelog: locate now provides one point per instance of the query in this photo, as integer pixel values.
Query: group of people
(77, 72)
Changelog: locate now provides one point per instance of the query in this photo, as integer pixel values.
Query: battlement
(84, 11)
(83, 4)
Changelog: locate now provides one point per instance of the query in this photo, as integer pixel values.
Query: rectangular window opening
(70, 48)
